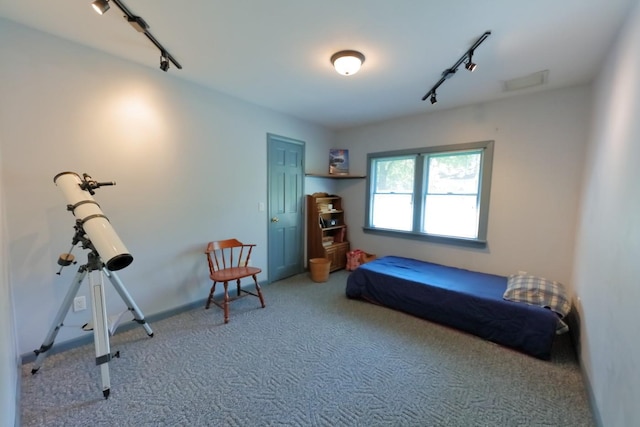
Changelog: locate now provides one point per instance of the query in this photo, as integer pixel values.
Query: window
(433, 193)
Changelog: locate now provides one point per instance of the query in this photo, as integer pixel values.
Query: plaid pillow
(538, 291)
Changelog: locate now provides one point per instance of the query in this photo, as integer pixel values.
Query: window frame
(420, 182)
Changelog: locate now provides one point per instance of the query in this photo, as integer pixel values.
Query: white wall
(607, 263)
(189, 163)
(540, 143)
(9, 360)
(190, 166)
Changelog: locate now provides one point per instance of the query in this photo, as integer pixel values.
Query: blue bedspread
(466, 300)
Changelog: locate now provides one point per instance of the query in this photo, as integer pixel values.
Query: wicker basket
(319, 269)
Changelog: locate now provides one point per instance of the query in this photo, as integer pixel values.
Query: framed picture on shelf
(338, 161)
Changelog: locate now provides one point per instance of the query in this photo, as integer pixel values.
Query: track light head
(164, 62)
(470, 65)
(138, 23)
(100, 6)
(433, 98)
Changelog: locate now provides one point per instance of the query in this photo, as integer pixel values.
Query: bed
(469, 301)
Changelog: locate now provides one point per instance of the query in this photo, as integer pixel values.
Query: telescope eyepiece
(89, 184)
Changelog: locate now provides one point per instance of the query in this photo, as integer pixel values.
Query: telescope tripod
(95, 268)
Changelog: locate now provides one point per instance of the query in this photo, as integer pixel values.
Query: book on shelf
(338, 161)
(327, 241)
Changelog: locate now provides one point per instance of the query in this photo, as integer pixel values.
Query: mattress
(466, 300)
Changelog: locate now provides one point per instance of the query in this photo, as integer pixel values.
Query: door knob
(275, 219)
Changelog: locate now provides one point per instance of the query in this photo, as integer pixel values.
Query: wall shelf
(326, 175)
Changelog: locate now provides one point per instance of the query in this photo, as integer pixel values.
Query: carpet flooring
(312, 357)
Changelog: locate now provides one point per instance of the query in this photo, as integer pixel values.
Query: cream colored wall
(607, 262)
(189, 163)
(540, 142)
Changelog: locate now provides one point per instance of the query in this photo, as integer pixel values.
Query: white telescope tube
(95, 224)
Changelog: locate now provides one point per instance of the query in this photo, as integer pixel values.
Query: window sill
(454, 241)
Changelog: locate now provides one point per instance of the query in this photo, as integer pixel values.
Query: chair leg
(238, 286)
(226, 302)
(255, 279)
(210, 299)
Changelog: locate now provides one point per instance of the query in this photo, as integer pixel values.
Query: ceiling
(276, 53)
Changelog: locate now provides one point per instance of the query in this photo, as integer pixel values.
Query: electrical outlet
(79, 303)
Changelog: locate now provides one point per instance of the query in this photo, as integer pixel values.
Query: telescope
(107, 254)
(79, 194)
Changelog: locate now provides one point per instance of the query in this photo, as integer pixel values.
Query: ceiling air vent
(535, 79)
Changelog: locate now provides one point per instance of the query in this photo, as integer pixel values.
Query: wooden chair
(229, 260)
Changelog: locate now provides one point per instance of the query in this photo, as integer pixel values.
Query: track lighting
(139, 24)
(449, 72)
(100, 6)
(164, 62)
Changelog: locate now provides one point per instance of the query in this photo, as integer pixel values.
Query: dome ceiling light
(347, 62)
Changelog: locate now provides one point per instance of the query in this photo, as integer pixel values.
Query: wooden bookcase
(326, 230)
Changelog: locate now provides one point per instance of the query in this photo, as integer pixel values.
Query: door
(285, 177)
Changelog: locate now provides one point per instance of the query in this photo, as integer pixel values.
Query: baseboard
(18, 415)
(87, 339)
(592, 400)
(574, 321)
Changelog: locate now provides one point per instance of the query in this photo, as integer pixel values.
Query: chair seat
(233, 273)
